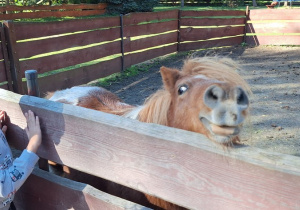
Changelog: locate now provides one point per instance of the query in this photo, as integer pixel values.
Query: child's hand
(33, 132)
(2, 118)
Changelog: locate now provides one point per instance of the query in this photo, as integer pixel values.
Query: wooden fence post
(246, 23)
(33, 90)
(122, 41)
(178, 34)
(15, 70)
(5, 56)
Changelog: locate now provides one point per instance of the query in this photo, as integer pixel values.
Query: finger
(27, 131)
(26, 116)
(4, 129)
(37, 121)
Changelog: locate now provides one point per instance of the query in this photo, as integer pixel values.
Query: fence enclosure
(74, 52)
(176, 165)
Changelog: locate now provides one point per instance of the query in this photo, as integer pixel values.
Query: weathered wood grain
(5, 74)
(280, 14)
(55, 7)
(30, 48)
(213, 13)
(173, 164)
(186, 46)
(144, 43)
(136, 18)
(79, 76)
(211, 21)
(43, 190)
(134, 58)
(57, 61)
(44, 14)
(33, 30)
(194, 34)
(151, 28)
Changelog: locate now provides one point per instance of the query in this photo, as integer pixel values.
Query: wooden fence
(176, 165)
(273, 27)
(42, 11)
(74, 52)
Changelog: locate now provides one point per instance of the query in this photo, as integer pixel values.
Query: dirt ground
(274, 76)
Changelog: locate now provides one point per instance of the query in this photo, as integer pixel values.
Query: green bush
(127, 6)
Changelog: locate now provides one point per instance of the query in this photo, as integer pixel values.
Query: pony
(206, 96)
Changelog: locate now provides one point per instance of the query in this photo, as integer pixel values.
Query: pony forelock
(219, 68)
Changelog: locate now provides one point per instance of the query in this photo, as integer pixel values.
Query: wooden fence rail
(42, 11)
(179, 166)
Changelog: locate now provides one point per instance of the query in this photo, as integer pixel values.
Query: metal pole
(33, 90)
(32, 84)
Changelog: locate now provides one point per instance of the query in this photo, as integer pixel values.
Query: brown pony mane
(156, 107)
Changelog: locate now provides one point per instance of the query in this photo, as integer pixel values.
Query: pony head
(207, 96)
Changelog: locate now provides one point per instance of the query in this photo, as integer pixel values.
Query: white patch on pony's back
(71, 95)
(134, 113)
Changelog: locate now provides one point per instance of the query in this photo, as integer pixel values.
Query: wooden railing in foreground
(43, 11)
(175, 165)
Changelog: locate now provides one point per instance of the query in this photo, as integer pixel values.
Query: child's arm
(14, 175)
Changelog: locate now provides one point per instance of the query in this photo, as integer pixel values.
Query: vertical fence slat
(13, 56)
(5, 57)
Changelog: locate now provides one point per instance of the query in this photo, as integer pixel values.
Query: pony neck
(155, 109)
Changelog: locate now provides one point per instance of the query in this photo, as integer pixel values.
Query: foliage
(127, 6)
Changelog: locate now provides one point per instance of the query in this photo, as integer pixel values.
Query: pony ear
(169, 76)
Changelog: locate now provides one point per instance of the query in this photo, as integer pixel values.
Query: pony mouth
(220, 133)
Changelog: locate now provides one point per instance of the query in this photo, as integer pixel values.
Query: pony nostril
(242, 98)
(212, 96)
(234, 116)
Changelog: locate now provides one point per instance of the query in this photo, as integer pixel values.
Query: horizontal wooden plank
(136, 18)
(211, 21)
(57, 61)
(273, 40)
(44, 14)
(274, 27)
(151, 28)
(43, 190)
(276, 14)
(55, 7)
(33, 30)
(179, 166)
(211, 43)
(194, 34)
(135, 58)
(130, 46)
(212, 13)
(30, 48)
(79, 76)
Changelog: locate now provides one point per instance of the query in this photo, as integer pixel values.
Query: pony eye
(182, 89)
